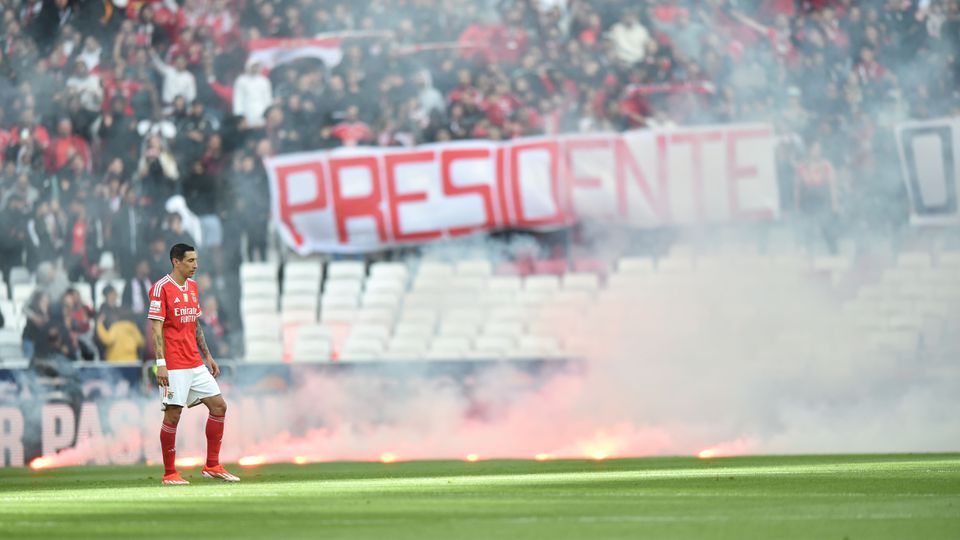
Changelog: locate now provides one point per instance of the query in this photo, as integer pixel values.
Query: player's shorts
(188, 387)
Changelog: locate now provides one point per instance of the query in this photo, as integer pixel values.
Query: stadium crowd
(125, 124)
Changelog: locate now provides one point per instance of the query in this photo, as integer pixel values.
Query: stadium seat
(375, 315)
(384, 285)
(298, 302)
(493, 346)
(469, 283)
(337, 270)
(377, 299)
(418, 315)
(311, 350)
(343, 286)
(474, 268)
(258, 304)
(411, 347)
(4, 292)
(396, 271)
(288, 316)
(541, 283)
(254, 288)
(334, 301)
(413, 329)
(455, 328)
(258, 271)
(337, 314)
(262, 326)
(303, 270)
(581, 281)
(502, 329)
(370, 331)
(634, 265)
(434, 270)
(301, 286)
(107, 262)
(451, 348)
(263, 350)
(361, 350)
(508, 284)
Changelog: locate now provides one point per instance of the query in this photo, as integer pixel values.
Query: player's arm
(205, 352)
(162, 376)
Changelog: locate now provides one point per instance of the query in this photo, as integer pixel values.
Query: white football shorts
(188, 387)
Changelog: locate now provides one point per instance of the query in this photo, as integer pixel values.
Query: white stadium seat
(370, 331)
(303, 316)
(298, 302)
(260, 350)
(262, 326)
(254, 288)
(448, 348)
(541, 283)
(303, 270)
(361, 349)
(392, 270)
(434, 270)
(635, 265)
(581, 281)
(258, 271)
(343, 286)
(474, 268)
(346, 270)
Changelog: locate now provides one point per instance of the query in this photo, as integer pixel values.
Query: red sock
(168, 445)
(214, 438)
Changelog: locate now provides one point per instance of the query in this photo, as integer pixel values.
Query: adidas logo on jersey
(177, 300)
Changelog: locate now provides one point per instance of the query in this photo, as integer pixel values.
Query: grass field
(823, 497)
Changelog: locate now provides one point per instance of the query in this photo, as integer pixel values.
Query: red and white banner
(366, 199)
(271, 52)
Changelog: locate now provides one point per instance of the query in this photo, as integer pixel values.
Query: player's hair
(179, 250)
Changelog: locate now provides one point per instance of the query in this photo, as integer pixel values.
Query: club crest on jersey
(194, 296)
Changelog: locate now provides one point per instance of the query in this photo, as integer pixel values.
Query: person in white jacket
(629, 38)
(252, 95)
(177, 79)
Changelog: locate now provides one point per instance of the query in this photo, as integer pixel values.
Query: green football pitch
(829, 497)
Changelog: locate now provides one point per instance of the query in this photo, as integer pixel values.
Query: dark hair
(179, 250)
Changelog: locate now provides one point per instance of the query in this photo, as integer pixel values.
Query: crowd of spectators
(125, 123)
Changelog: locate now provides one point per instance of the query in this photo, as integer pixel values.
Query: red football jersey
(179, 308)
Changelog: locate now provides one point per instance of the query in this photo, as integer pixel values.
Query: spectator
(816, 196)
(13, 234)
(121, 336)
(136, 292)
(77, 319)
(252, 95)
(629, 38)
(177, 80)
(37, 315)
(65, 146)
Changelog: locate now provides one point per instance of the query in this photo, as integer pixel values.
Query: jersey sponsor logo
(187, 314)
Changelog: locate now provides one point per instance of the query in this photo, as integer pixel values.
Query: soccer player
(184, 379)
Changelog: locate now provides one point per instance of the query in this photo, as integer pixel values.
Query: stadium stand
(99, 133)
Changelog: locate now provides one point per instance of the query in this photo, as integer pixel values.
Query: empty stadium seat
(448, 348)
(434, 270)
(21, 293)
(262, 326)
(393, 270)
(346, 270)
(291, 301)
(258, 271)
(303, 271)
(19, 274)
(258, 304)
(541, 283)
(380, 299)
(581, 281)
(252, 288)
(288, 316)
(261, 350)
(343, 286)
(311, 350)
(635, 265)
(361, 349)
(474, 268)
